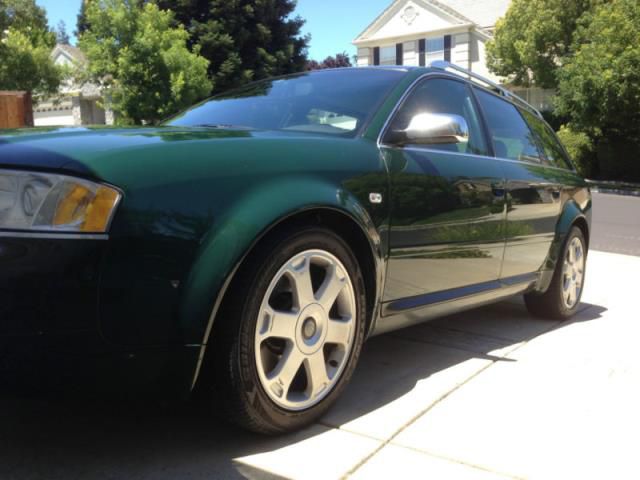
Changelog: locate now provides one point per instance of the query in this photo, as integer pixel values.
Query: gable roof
(484, 13)
(481, 13)
(69, 51)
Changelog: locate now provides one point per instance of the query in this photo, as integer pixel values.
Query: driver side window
(444, 96)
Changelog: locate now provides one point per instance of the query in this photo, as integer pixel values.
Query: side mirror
(434, 129)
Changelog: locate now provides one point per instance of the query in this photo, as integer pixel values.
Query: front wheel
(291, 331)
(562, 299)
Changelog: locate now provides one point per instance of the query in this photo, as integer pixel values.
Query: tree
(82, 25)
(26, 17)
(142, 60)
(61, 33)
(534, 40)
(599, 86)
(243, 40)
(25, 49)
(341, 60)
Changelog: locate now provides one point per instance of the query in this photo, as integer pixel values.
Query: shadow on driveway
(53, 439)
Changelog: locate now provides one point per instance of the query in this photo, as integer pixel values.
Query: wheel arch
(572, 215)
(344, 215)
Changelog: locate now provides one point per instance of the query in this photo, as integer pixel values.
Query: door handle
(555, 194)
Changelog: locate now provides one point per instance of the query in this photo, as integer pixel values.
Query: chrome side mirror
(436, 129)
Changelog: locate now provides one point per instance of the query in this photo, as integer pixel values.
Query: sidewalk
(488, 394)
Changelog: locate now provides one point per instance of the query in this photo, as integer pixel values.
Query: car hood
(84, 151)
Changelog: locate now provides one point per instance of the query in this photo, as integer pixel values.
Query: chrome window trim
(485, 157)
(444, 74)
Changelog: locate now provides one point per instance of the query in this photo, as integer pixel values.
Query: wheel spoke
(333, 284)
(317, 377)
(301, 277)
(575, 291)
(278, 324)
(339, 332)
(286, 370)
(566, 269)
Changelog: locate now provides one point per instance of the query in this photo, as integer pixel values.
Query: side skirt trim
(421, 301)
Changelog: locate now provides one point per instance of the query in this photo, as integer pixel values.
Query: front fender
(244, 223)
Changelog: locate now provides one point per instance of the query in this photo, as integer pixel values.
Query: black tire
(551, 304)
(237, 391)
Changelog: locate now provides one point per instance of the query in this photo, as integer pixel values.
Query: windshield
(336, 102)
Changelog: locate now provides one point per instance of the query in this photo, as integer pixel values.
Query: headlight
(48, 202)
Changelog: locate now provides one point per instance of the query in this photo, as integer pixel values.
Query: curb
(615, 188)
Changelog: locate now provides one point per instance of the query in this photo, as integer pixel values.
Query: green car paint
(197, 200)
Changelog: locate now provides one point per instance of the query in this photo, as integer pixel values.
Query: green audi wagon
(244, 250)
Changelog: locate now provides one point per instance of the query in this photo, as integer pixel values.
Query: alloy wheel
(305, 330)
(573, 273)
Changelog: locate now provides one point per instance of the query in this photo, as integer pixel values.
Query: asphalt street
(616, 224)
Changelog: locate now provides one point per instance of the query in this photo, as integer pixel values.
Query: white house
(415, 32)
(75, 104)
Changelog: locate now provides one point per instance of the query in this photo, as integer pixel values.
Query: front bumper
(51, 335)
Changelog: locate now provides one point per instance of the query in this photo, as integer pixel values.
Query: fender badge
(375, 198)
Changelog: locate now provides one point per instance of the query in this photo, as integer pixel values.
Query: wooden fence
(16, 110)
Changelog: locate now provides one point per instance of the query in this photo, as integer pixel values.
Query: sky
(333, 24)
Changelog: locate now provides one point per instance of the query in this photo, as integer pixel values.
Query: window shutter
(399, 54)
(422, 47)
(376, 55)
(447, 48)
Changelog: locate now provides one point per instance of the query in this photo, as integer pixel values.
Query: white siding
(365, 57)
(411, 55)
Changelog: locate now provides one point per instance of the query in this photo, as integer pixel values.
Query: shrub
(581, 150)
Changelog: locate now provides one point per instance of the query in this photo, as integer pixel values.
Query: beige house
(416, 32)
(75, 104)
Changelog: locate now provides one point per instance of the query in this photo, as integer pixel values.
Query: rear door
(533, 187)
(448, 208)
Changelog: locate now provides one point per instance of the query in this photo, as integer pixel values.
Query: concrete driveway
(491, 393)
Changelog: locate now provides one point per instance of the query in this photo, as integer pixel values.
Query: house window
(388, 55)
(435, 49)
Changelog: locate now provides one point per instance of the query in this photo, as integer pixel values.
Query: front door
(448, 206)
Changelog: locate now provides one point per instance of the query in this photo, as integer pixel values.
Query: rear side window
(512, 138)
(548, 140)
(440, 95)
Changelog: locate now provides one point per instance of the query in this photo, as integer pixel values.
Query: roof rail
(442, 65)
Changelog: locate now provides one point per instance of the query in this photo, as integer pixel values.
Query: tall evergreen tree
(61, 33)
(243, 40)
(82, 23)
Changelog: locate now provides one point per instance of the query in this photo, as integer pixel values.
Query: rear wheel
(291, 331)
(562, 299)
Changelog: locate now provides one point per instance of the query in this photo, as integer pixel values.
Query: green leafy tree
(534, 40)
(25, 49)
(599, 86)
(244, 40)
(142, 60)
